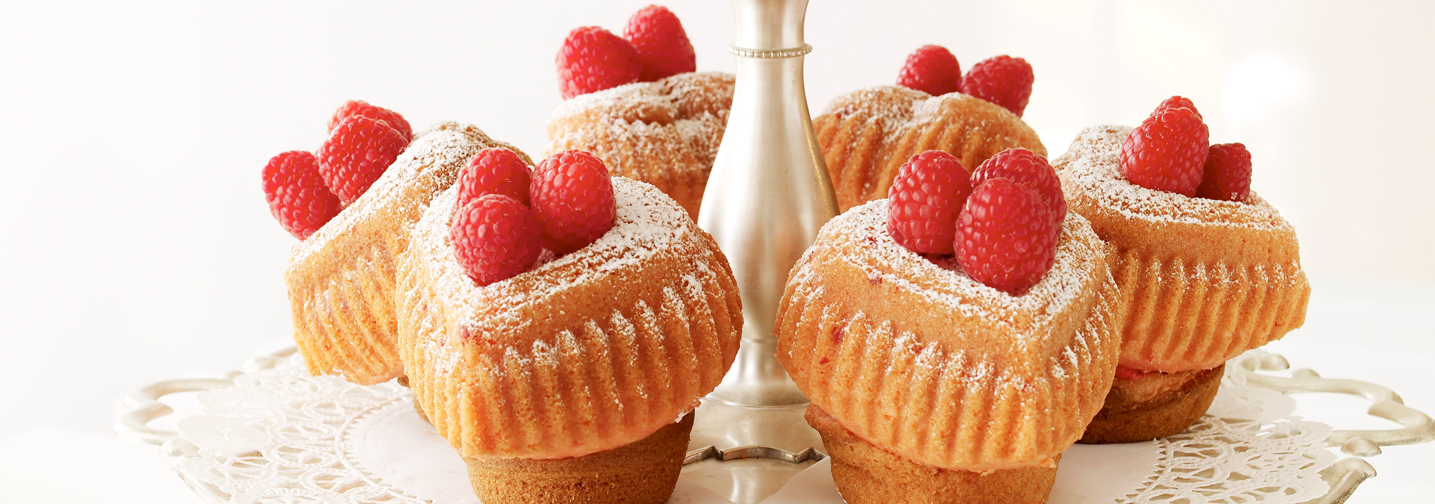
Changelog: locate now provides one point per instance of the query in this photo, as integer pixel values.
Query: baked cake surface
(932, 365)
(867, 134)
(665, 133)
(1203, 280)
(341, 279)
(589, 352)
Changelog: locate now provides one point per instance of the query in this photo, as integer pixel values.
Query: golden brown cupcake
(341, 279)
(867, 134)
(928, 386)
(574, 381)
(1202, 281)
(665, 133)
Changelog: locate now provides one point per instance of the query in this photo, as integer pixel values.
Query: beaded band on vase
(770, 53)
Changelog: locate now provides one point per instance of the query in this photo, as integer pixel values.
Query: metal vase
(766, 199)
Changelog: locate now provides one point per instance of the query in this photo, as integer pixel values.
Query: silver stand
(766, 199)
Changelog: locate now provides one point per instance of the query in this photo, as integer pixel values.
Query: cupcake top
(646, 225)
(1091, 169)
(583, 353)
(398, 197)
(1018, 325)
(1167, 224)
(867, 134)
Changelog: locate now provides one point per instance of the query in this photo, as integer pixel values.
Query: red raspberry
(661, 42)
(1028, 169)
(594, 59)
(1006, 237)
(1167, 152)
(1002, 80)
(573, 198)
(1177, 102)
(1227, 173)
(297, 195)
(494, 171)
(926, 198)
(494, 238)
(356, 154)
(361, 108)
(931, 69)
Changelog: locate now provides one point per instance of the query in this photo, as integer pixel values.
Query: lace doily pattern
(277, 437)
(280, 436)
(1249, 448)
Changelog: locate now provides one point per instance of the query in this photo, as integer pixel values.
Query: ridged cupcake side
(1202, 280)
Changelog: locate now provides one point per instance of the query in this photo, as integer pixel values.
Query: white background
(135, 244)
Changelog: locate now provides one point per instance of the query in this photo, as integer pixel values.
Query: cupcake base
(1154, 406)
(642, 472)
(865, 473)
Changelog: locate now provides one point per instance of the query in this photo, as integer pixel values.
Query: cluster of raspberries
(1002, 80)
(1169, 152)
(508, 213)
(1002, 221)
(305, 190)
(654, 45)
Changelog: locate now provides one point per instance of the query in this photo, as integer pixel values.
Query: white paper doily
(281, 436)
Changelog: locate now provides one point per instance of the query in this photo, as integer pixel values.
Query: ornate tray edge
(143, 406)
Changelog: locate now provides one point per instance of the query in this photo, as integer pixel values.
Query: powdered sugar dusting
(862, 231)
(1091, 168)
(647, 222)
(903, 109)
(637, 122)
(443, 147)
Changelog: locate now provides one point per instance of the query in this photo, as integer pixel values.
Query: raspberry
(1227, 174)
(573, 198)
(494, 171)
(931, 69)
(1006, 237)
(356, 154)
(297, 195)
(1002, 80)
(594, 59)
(1028, 169)
(1167, 152)
(361, 108)
(1177, 102)
(661, 42)
(495, 237)
(926, 198)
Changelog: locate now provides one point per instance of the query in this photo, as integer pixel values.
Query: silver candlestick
(766, 199)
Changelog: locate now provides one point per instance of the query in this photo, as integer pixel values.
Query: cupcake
(1207, 269)
(560, 335)
(955, 338)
